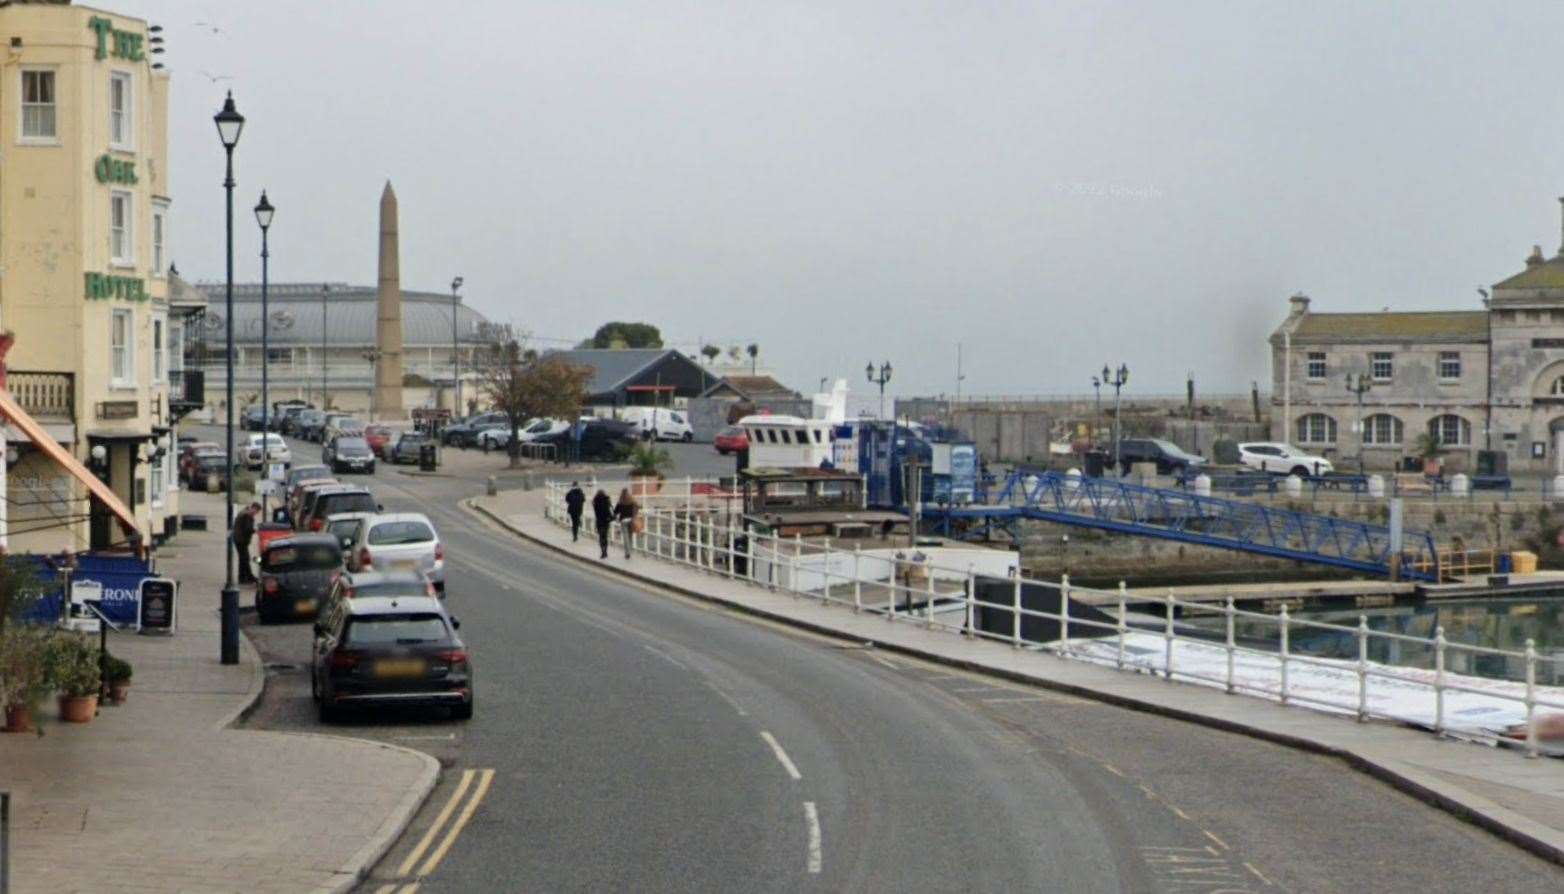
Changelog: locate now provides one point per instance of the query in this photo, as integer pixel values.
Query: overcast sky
(1052, 185)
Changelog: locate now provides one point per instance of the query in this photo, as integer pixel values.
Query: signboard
(276, 471)
(101, 286)
(118, 579)
(114, 42)
(109, 169)
(118, 409)
(79, 616)
(158, 598)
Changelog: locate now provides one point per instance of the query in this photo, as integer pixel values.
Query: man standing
(244, 529)
(575, 502)
(603, 514)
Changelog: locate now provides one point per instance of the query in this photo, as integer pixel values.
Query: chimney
(1536, 256)
(1299, 304)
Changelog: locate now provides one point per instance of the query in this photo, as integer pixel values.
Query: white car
(542, 428)
(1282, 459)
(276, 450)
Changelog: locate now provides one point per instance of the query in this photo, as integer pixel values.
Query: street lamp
(1118, 378)
(456, 356)
(1360, 384)
(1097, 419)
(229, 125)
(880, 378)
(263, 216)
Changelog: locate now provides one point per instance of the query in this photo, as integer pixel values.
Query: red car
(731, 440)
(377, 436)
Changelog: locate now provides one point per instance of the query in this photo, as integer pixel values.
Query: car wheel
(462, 712)
(721, 452)
(371, 468)
(688, 437)
(1300, 471)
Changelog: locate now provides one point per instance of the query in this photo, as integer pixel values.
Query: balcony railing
(186, 386)
(47, 396)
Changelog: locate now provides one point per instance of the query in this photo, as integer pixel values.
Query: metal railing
(44, 395)
(699, 527)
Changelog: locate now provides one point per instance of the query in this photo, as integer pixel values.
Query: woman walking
(603, 514)
(625, 513)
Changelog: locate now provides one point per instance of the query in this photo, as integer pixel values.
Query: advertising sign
(119, 578)
(158, 597)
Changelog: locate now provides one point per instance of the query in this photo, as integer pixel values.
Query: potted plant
(117, 672)
(1428, 449)
(25, 678)
(647, 462)
(75, 670)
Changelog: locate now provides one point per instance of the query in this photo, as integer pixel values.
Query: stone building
(1474, 380)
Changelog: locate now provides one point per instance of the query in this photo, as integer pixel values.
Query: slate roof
(1430, 326)
(612, 367)
(754, 386)
(350, 315)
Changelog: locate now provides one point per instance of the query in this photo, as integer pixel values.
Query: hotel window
(121, 244)
(1449, 366)
(1450, 430)
(159, 237)
(155, 482)
(1382, 429)
(38, 106)
(1316, 428)
(1380, 366)
(159, 358)
(122, 132)
(1316, 366)
(122, 349)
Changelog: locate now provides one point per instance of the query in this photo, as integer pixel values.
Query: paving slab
(159, 794)
(1498, 789)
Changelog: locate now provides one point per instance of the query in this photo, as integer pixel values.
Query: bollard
(1015, 610)
(1439, 679)
(1064, 615)
(1376, 487)
(1363, 664)
(1284, 645)
(5, 842)
(1167, 635)
(857, 578)
(928, 606)
(1124, 627)
(1531, 698)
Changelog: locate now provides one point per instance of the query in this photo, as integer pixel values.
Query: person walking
(575, 502)
(244, 530)
(603, 513)
(625, 513)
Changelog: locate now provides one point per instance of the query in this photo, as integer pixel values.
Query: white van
(659, 423)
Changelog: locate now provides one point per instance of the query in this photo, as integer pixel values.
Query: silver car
(399, 540)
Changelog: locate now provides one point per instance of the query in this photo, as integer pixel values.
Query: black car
(251, 420)
(406, 448)
(345, 454)
(1169, 457)
(296, 574)
(601, 439)
(207, 466)
(465, 432)
(379, 651)
(288, 417)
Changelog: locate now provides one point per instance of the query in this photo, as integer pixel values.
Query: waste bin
(1096, 462)
(426, 460)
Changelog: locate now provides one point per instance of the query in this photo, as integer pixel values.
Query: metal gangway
(1111, 504)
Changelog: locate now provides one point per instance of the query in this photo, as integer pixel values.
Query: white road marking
(732, 702)
(787, 762)
(887, 662)
(1020, 698)
(1112, 769)
(1258, 875)
(1179, 813)
(445, 738)
(1219, 842)
(665, 656)
(966, 689)
(812, 819)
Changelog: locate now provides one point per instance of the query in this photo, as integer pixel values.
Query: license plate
(304, 606)
(405, 565)
(403, 667)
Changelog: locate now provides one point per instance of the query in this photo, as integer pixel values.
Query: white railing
(697, 524)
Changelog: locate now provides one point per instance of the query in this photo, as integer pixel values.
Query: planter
(1431, 468)
(645, 485)
(78, 708)
(119, 690)
(18, 719)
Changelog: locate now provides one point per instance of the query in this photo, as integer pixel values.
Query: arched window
(1450, 430)
(1558, 387)
(1381, 429)
(1316, 428)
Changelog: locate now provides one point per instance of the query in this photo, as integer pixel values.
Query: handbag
(638, 524)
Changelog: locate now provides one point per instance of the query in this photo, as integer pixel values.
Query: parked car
(400, 541)
(303, 496)
(206, 467)
(658, 423)
(494, 437)
(464, 433)
(406, 448)
(296, 573)
(345, 453)
(344, 526)
(601, 439)
(332, 500)
(347, 425)
(250, 420)
(374, 651)
(308, 423)
(377, 436)
(541, 429)
(1282, 459)
(1168, 456)
(187, 457)
(263, 448)
(288, 417)
(731, 440)
(300, 474)
(377, 585)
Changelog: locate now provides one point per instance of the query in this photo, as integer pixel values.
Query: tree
(711, 353)
(734, 353)
(754, 351)
(522, 385)
(627, 335)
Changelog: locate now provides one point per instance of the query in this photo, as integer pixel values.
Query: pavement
(1520, 800)
(162, 794)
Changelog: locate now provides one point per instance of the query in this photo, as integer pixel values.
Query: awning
(36, 433)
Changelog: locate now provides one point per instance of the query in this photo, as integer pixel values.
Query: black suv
(465, 432)
(382, 651)
(1168, 456)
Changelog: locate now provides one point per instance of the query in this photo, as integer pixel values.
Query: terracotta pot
(645, 485)
(18, 719)
(78, 708)
(119, 690)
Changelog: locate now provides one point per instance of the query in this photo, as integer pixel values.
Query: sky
(1052, 186)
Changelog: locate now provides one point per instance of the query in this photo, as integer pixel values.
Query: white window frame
(1453, 358)
(1383, 430)
(159, 350)
(127, 115)
(1385, 357)
(1310, 360)
(122, 357)
(176, 346)
(159, 239)
(157, 481)
(52, 138)
(127, 258)
(1463, 430)
(1312, 424)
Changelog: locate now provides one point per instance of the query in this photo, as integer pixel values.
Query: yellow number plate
(392, 667)
(304, 606)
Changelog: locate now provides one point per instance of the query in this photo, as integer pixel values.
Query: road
(627, 739)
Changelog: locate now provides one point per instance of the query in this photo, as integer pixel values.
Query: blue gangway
(1110, 504)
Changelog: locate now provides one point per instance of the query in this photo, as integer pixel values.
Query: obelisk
(387, 401)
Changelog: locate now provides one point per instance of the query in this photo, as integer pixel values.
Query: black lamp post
(1118, 378)
(880, 378)
(1097, 419)
(229, 125)
(1359, 385)
(456, 356)
(263, 216)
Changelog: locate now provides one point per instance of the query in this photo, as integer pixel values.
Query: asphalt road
(640, 741)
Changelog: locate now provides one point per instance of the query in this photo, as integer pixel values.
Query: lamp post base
(230, 625)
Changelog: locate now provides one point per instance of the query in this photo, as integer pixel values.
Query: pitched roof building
(640, 376)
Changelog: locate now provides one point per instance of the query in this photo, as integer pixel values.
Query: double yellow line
(430, 853)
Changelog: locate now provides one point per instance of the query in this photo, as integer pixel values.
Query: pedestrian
(625, 512)
(603, 513)
(244, 529)
(575, 502)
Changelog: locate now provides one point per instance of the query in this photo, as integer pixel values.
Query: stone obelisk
(387, 403)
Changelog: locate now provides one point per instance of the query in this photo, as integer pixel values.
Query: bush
(117, 669)
(73, 664)
(25, 673)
